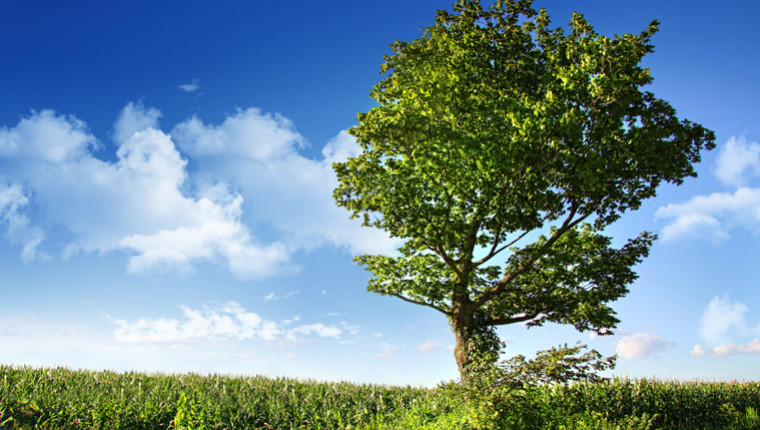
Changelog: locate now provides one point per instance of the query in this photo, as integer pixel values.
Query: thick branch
(501, 286)
(494, 251)
(418, 302)
(472, 237)
(512, 320)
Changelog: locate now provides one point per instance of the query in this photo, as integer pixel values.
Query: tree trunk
(462, 323)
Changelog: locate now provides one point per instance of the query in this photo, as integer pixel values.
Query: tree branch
(493, 252)
(512, 320)
(500, 286)
(418, 302)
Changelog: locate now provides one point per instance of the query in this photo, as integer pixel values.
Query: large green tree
(500, 149)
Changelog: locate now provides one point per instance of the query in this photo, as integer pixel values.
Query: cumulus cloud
(247, 175)
(711, 217)
(47, 137)
(729, 349)
(259, 153)
(642, 345)
(132, 119)
(251, 134)
(227, 322)
(736, 159)
(721, 319)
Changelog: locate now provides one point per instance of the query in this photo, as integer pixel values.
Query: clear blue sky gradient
(208, 241)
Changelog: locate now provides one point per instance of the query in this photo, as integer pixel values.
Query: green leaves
(493, 129)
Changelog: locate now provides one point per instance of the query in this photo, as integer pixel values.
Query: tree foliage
(499, 150)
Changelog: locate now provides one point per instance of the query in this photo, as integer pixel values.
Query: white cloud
(258, 152)
(47, 137)
(12, 200)
(192, 86)
(247, 174)
(729, 349)
(388, 351)
(641, 345)
(698, 351)
(227, 322)
(230, 321)
(271, 296)
(319, 329)
(736, 158)
(132, 119)
(721, 319)
(250, 133)
(434, 345)
(710, 217)
(137, 204)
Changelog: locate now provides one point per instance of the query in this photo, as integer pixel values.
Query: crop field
(58, 398)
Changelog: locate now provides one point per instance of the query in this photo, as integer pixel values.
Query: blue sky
(165, 193)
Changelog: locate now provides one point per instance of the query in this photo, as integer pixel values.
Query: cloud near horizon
(642, 345)
(720, 324)
(227, 322)
(727, 350)
(721, 320)
(164, 216)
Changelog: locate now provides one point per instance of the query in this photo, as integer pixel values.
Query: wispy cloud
(227, 322)
(12, 201)
(431, 345)
(642, 345)
(319, 329)
(191, 87)
(388, 351)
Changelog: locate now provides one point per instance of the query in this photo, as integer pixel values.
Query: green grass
(57, 398)
(65, 399)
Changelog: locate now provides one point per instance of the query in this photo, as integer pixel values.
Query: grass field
(60, 398)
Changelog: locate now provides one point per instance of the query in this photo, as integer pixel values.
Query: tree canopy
(499, 150)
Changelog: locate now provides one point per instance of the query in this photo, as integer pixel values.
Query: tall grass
(678, 405)
(65, 399)
(58, 398)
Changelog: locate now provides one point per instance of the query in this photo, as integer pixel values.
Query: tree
(500, 150)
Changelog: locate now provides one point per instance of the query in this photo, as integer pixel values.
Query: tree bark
(462, 324)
